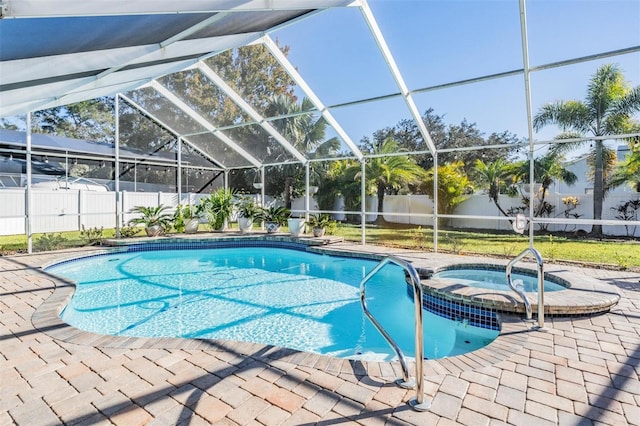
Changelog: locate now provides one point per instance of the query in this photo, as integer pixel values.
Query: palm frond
(627, 104)
(627, 172)
(564, 147)
(606, 85)
(568, 115)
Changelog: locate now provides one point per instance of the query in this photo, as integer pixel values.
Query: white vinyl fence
(56, 211)
(397, 209)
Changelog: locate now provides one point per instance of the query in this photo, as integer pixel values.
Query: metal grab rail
(520, 290)
(418, 404)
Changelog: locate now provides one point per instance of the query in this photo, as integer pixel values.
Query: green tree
(463, 135)
(386, 171)
(91, 120)
(495, 176)
(454, 186)
(606, 110)
(628, 171)
(546, 170)
(338, 180)
(307, 133)
(253, 73)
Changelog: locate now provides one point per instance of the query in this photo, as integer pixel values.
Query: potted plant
(155, 219)
(320, 222)
(218, 208)
(296, 225)
(248, 212)
(186, 219)
(274, 218)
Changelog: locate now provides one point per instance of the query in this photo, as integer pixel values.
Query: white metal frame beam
(297, 78)
(395, 71)
(203, 122)
(255, 115)
(62, 8)
(527, 91)
(115, 79)
(170, 129)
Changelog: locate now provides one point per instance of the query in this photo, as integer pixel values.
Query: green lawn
(618, 253)
(621, 253)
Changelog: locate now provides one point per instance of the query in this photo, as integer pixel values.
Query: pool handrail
(418, 403)
(520, 290)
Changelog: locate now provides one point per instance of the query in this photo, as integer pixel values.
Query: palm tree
(453, 186)
(494, 176)
(546, 170)
(607, 110)
(628, 172)
(386, 171)
(305, 131)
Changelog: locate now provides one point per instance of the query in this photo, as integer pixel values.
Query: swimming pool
(269, 295)
(494, 279)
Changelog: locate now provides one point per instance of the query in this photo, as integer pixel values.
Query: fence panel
(134, 199)
(55, 211)
(12, 211)
(481, 205)
(610, 211)
(98, 209)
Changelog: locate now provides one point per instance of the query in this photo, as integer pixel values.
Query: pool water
(273, 296)
(494, 280)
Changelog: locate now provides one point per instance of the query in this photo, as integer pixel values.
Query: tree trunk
(379, 218)
(541, 206)
(598, 190)
(497, 203)
(288, 191)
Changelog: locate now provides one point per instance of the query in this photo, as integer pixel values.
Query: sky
(436, 42)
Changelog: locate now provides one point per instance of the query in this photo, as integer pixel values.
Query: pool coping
(585, 295)
(513, 335)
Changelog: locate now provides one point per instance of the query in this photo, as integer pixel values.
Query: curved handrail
(407, 382)
(520, 290)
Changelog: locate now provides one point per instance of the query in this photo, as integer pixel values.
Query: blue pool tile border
(195, 245)
(459, 311)
(190, 245)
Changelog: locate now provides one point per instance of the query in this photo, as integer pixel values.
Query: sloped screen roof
(56, 53)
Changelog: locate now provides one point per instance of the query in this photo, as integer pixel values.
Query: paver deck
(578, 370)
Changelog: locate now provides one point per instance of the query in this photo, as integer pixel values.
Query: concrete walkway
(579, 371)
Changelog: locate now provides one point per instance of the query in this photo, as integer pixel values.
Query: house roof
(52, 144)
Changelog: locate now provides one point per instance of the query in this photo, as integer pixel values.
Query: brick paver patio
(581, 370)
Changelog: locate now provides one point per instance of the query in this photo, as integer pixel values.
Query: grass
(621, 254)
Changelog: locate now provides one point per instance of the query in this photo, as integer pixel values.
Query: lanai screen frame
(407, 95)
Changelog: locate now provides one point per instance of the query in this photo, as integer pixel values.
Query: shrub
(92, 235)
(48, 242)
(129, 231)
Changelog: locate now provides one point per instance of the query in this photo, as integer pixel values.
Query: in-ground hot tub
(566, 291)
